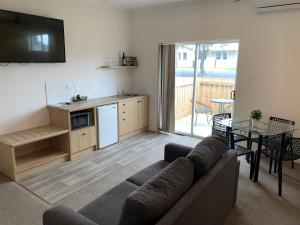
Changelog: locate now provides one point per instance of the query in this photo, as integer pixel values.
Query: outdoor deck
(206, 90)
(202, 128)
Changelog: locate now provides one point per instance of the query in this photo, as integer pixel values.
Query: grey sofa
(190, 186)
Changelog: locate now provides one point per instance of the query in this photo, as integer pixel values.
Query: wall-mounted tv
(27, 38)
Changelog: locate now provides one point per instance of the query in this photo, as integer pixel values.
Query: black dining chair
(289, 152)
(217, 127)
(276, 140)
(232, 138)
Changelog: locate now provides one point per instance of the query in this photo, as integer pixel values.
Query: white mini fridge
(107, 125)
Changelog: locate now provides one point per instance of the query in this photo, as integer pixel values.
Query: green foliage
(256, 114)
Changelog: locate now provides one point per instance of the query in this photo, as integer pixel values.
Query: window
(184, 56)
(40, 43)
(222, 55)
(179, 56)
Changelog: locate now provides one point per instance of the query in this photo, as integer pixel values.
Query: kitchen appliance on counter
(81, 119)
(107, 125)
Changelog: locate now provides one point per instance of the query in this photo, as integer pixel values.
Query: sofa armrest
(174, 151)
(61, 215)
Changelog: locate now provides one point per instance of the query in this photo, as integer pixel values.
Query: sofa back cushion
(148, 203)
(205, 154)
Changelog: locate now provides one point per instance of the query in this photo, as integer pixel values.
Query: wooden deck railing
(206, 90)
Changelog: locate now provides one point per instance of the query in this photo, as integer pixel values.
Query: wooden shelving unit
(117, 67)
(28, 149)
(38, 158)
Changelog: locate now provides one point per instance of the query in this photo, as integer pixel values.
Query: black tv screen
(26, 38)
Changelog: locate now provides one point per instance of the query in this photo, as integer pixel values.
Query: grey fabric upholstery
(236, 182)
(210, 200)
(147, 204)
(61, 215)
(174, 151)
(170, 198)
(106, 210)
(207, 153)
(146, 174)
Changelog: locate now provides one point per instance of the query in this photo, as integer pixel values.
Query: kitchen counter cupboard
(25, 152)
(133, 118)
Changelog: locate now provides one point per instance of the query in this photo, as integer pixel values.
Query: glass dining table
(261, 129)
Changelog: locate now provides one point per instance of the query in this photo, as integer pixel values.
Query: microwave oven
(81, 119)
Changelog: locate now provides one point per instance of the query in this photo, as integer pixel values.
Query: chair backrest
(218, 128)
(200, 105)
(280, 120)
(292, 151)
(275, 121)
(221, 130)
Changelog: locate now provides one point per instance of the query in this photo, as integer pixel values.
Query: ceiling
(136, 4)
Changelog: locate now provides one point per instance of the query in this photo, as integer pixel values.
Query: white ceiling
(136, 4)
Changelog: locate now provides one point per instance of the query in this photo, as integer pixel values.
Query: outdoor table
(264, 130)
(222, 102)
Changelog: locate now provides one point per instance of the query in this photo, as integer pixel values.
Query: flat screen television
(27, 38)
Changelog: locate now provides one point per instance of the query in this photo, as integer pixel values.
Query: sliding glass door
(204, 85)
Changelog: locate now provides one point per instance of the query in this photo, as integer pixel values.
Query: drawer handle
(83, 134)
(124, 112)
(124, 119)
(123, 104)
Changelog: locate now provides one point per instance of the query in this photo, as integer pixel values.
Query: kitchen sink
(131, 95)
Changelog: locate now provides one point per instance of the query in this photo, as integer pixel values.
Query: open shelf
(34, 159)
(25, 151)
(117, 67)
(31, 135)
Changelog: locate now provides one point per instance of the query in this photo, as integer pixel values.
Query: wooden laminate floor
(125, 158)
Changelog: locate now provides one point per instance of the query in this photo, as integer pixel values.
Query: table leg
(221, 110)
(257, 158)
(281, 153)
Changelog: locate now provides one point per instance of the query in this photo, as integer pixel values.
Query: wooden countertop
(75, 106)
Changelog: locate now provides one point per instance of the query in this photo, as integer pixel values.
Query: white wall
(91, 32)
(268, 71)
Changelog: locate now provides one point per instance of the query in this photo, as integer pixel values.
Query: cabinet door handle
(124, 119)
(83, 134)
(123, 104)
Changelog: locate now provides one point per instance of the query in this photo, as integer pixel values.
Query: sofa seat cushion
(205, 154)
(107, 209)
(146, 174)
(148, 203)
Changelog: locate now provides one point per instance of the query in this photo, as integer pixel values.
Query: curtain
(167, 63)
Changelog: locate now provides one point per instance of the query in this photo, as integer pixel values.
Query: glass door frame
(197, 44)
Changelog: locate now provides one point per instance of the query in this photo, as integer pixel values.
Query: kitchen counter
(75, 106)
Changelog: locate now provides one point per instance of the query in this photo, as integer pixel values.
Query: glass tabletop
(262, 127)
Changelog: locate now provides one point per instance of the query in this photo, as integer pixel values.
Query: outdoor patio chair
(202, 108)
